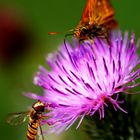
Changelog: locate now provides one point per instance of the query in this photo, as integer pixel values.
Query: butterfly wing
(104, 13)
(17, 118)
(99, 12)
(88, 13)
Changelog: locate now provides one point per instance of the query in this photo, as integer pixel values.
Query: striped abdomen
(32, 128)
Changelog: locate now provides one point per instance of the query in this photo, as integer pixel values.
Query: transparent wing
(39, 133)
(17, 118)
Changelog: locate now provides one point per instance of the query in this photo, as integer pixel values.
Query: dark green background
(44, 16)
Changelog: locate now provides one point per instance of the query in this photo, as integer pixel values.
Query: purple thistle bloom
(83, 80)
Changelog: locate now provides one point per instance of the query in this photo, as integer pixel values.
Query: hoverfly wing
(17, 118)
(88, 13)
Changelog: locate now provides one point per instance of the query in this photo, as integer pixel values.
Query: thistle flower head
(83, 80)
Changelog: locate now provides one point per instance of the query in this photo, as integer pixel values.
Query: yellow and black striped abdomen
(32, 129)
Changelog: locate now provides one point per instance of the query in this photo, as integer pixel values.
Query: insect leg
(40, 133)
(65, 38)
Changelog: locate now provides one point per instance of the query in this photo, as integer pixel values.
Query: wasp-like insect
(34, 131)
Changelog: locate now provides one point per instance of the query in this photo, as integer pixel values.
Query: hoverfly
(35, 115)
(97, 21)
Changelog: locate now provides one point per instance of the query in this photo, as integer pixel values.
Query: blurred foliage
(41, 17)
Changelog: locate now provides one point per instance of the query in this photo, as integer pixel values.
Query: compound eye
(40, 112)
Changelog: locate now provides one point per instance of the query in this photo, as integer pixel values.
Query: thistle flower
(83, 80)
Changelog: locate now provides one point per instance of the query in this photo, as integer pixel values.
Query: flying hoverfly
(97, 21)
(35, 115)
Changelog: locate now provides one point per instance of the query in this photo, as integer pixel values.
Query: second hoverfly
(34, 131)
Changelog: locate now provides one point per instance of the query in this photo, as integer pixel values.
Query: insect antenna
(66, 35)
(55, 33)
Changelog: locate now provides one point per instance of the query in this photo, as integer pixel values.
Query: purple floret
(83, 78)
